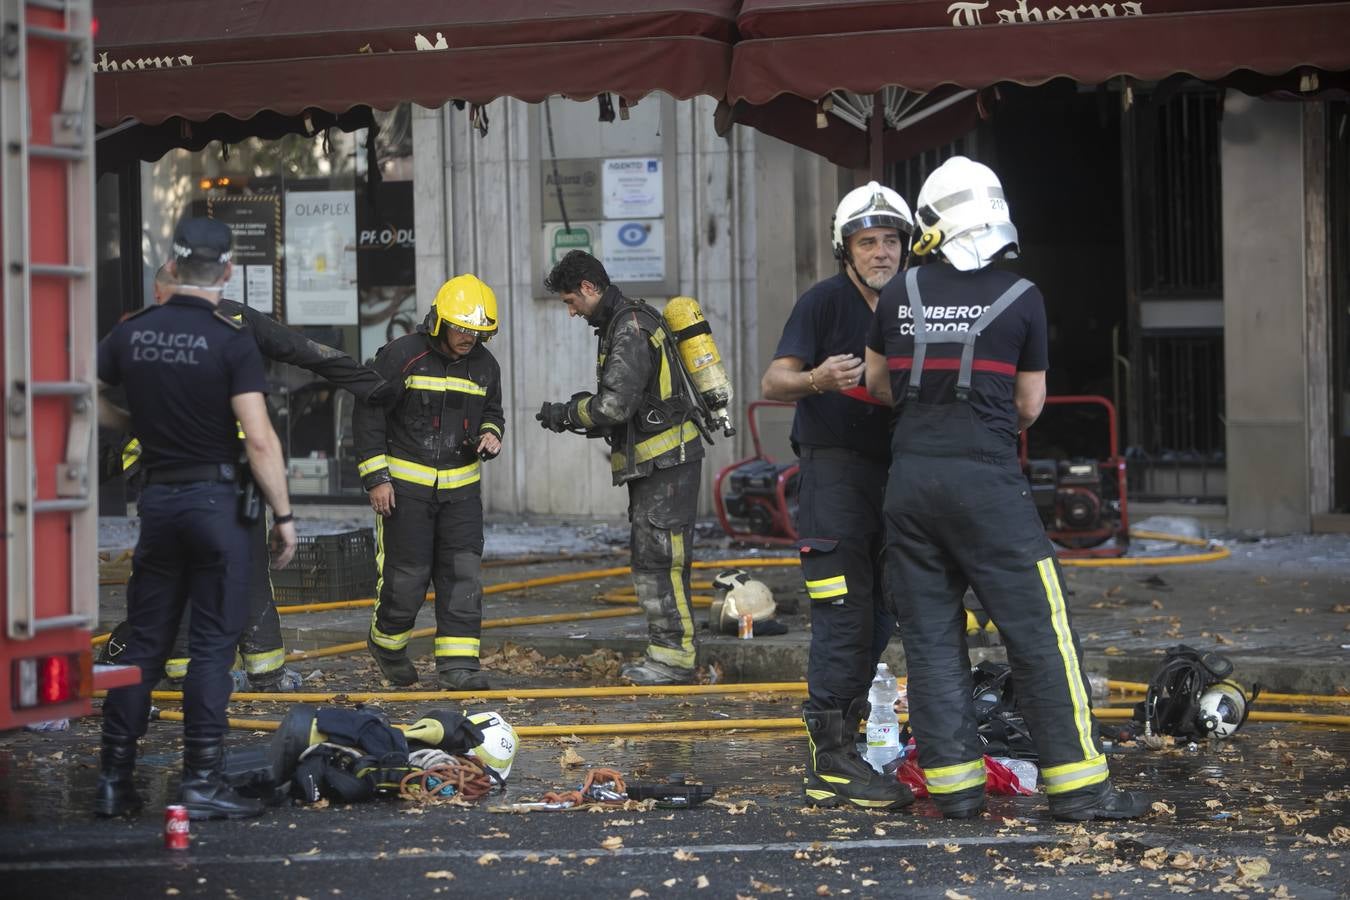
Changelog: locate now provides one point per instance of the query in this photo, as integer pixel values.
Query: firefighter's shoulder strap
(669, 386)
(923, 336)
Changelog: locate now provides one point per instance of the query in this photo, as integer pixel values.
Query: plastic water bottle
(883, 728)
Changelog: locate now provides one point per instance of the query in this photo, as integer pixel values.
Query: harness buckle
(962, 393)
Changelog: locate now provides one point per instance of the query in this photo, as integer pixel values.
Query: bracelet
(282, 520)
(812, 376)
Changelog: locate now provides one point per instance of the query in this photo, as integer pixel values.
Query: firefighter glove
(553, 416)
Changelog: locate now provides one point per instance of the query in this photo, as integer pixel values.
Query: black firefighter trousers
(959, 514)
(839, 520)
(662, 507)
(260, 645)
(437, 543)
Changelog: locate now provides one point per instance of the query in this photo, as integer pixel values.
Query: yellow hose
(773, 687)
(660, 728)
(340, 649)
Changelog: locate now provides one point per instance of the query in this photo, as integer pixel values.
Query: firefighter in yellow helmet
(420, 460)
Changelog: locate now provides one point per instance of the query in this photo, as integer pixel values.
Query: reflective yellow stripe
(654, 446)
(489, 426)
(389, 641)
(832, 779)
(268, 661)
(1073, 776)
(684, 657)
(1059, 621)
(824, 588)
(444, 479)
(177, 667)
(457, 646)
(131, 453)
(447, 479)
(584, 412)
(658, 341)
(379, 562)
(440, 385)
(959, 777)
(374, 464)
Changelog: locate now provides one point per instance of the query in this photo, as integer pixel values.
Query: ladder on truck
(49, 320)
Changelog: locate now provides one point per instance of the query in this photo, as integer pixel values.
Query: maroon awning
(812, 47)
(196, 58)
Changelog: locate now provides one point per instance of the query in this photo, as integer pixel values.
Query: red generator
(1081, 499)
(756, 497)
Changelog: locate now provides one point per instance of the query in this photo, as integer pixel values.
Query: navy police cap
(206, 240)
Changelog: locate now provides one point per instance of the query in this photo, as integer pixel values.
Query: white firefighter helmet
(964, 214)
(498, 749)
(1223, 709)
(727, 579)
(870, 206)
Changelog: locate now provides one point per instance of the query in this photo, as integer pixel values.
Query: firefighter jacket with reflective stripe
(426, 438)
(640, 401)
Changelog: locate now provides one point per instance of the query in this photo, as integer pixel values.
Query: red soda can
(176, 828)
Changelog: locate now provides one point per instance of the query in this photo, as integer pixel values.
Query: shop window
(324, 242)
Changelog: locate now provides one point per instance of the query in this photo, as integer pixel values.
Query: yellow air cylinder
(700, 358)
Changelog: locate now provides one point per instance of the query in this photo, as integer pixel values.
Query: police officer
(641, 408)
(964, 345)
(192, 378)
(263, 657)
(421, 462)
(842, 436)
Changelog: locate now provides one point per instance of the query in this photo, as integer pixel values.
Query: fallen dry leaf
(637, 892)
(570, 759)
(1164, 808)
(956, 895)
(702, 882)
(488, 859)
(440, 875)
(684, 855)
(1252, 868)
(613, 842)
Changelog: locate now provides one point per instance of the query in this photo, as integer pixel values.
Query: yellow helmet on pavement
(464, 303)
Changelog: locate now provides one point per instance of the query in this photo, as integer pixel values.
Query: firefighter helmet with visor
(965, 216)
(466, 304)
(870, 206)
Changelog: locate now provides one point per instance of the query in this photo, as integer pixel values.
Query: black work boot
(394, 665)
(1101, 801)
(836, 774)
(205, 792)
(966, 804)
(116, 792)
(280, 680)
(463, 680)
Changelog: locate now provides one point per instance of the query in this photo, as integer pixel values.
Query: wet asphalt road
(1263, 815)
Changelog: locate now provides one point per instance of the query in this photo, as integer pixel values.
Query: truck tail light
(46, 680)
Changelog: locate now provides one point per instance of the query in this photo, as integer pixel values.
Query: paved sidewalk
(1280, 607)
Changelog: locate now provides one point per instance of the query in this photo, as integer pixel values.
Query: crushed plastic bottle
(883, 728)
(1024, 770)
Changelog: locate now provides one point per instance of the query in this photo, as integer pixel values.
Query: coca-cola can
(747, 629)
(177, 833)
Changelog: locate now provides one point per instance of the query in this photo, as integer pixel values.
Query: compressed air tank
(700, 357)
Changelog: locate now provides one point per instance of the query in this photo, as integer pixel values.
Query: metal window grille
(1178, 202)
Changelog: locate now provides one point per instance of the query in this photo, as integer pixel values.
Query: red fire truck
(49, 562)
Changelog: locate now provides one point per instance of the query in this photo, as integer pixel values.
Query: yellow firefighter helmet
(466, 304)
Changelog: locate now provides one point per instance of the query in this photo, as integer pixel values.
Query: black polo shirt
(181, 363)
(832, 318)
(953, 301)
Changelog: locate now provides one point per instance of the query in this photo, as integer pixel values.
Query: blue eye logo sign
(634, 234)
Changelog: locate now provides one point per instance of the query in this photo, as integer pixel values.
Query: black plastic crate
(327, 568)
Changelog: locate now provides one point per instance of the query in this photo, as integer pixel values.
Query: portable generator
(756, 497)
(1081, 500)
